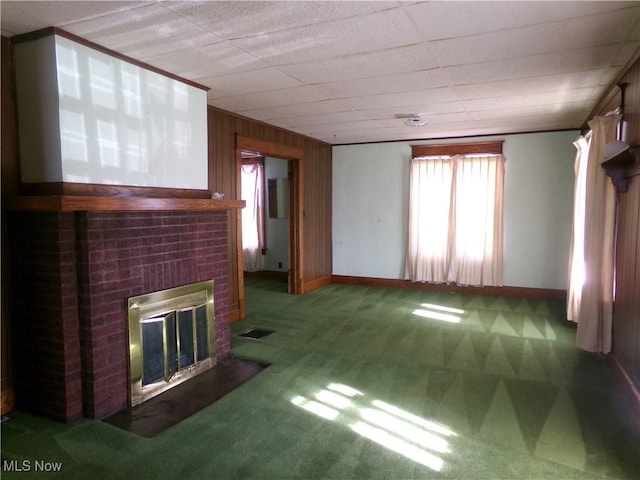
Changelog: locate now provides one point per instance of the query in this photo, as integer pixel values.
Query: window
(456, 214)
(253, 243)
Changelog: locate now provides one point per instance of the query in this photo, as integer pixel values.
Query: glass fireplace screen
(171, 336)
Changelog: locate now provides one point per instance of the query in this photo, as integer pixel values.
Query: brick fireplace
(72, 271)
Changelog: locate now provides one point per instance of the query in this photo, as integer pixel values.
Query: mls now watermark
(30, 466)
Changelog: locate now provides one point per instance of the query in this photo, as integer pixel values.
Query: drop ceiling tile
(627, 51)
(217, 59)
(533, 99)
(635, 34)
(524, 86)
(130, 31)
(401, 82)
(340, 128)
(550, 37)
(270, 99)
(385, 62)
(548, 64)
(442, 20)
(573, 110)
(295, 110)
(393, 122)
(242, 83)
(323, 120)
(333, 39)
(240, 19)
(21, 17)
(353, 136)
(433, 108)
(416, 97)
(448, 118)
(438, 20)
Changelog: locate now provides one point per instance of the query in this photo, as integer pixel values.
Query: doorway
(265, 218)
(294, 158)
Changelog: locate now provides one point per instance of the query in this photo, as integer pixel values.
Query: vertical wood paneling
(632, 104)
(10, 177)
(626, 321)
(316, 185)
(626, 330)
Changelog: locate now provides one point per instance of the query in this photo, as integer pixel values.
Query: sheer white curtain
(576, 248)
(430, 191)
(590, 304)
(455, 220)
(252, 183)
(476, 257)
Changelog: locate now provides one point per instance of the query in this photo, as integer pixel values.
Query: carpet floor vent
(256, 333)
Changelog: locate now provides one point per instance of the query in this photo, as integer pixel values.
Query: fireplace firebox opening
(171, 338)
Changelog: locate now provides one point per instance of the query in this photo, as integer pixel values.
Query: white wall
(370, 208)
(277, 229)
(89, 117)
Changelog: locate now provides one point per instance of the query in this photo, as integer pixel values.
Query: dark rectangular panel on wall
(223, 129)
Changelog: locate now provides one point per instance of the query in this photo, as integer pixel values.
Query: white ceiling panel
(434, 108)
(222, 58)
(547, 83)
(333, 39)
(322, 120)
(272, 98)
(532, 100)
(609, 29)
(585, 59)
(401, 82)
(130, 31)
(416, 97)
(27, 16)
(344, 71)
(627, 53)
(260, 17)
(296, 110)
(551, 112)
(242, 83)
(444, 20)
(374, 64)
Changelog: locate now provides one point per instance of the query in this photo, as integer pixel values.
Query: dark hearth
(171, 407)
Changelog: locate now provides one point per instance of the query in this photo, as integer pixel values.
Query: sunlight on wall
(91, 117)
(416, 438)
(435, 312)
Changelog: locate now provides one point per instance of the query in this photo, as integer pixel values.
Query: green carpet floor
(369, 383)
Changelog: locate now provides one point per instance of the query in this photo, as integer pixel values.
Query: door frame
(295, 158)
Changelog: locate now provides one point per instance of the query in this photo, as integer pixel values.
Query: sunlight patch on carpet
(414, 437)
(439, 312)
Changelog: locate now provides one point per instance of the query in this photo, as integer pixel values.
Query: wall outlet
(279, 264)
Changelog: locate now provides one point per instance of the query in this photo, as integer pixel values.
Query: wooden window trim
(253, 161)
(494, 148)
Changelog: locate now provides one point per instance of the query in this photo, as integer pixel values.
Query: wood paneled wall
(631, 83)
(626, 321)
(223, 129)
(9, 188)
